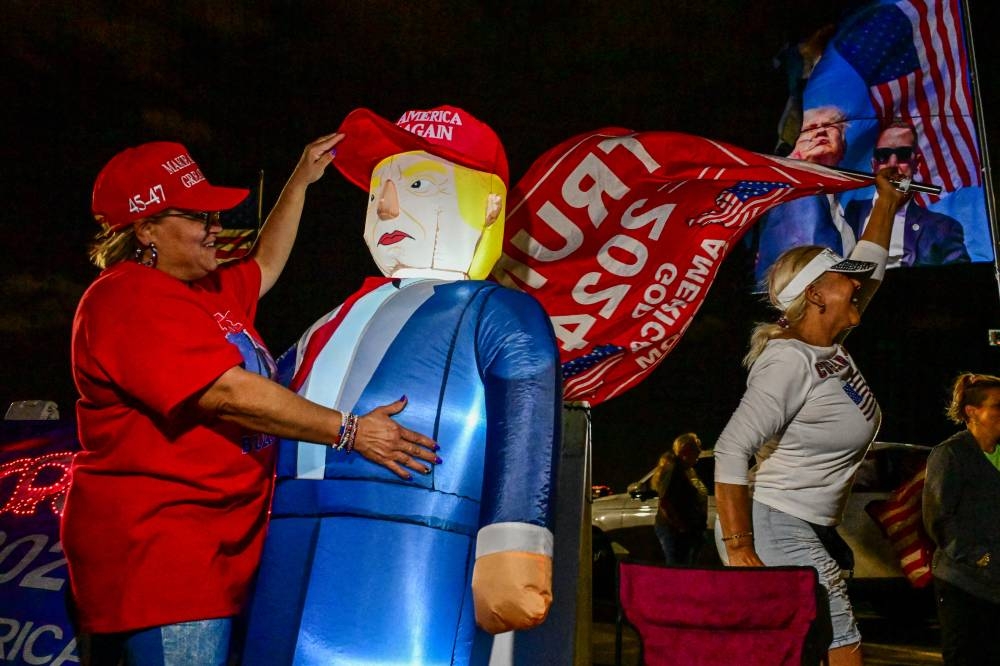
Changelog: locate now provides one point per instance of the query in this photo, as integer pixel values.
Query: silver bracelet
(738, 535)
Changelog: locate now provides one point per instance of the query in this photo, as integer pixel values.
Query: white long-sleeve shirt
(808, 417)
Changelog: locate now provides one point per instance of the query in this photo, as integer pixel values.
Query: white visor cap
(827, 260)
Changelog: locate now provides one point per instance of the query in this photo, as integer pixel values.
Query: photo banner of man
(619, 235)
(898, 73)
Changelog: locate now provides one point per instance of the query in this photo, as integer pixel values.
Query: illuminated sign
(42, 480)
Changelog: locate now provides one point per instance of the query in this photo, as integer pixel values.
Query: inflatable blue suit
(361, 566)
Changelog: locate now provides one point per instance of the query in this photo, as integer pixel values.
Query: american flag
(233, 244)
(585, 373)
(240, 225)
(744, 201)
(912, 57)
(900, 518)
(857, 389)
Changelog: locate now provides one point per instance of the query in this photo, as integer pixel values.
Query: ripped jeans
(781, 539)
(784, 540)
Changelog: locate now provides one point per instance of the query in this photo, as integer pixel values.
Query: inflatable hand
(511, 590)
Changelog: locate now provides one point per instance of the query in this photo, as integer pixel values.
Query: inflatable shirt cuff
(523, 537)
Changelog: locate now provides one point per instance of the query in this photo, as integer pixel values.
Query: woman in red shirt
(165, 519)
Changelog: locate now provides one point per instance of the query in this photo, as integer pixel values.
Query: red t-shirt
(165, 519)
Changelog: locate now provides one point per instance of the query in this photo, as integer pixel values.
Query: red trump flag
(619, 235)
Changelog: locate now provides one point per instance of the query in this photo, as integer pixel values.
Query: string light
(26, 497)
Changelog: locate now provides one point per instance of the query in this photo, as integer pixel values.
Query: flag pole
(984, 153)
(260, 199)
(910, 187)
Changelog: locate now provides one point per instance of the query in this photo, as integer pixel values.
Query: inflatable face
(428, 217)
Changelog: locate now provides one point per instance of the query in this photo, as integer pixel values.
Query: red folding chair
(771, 616)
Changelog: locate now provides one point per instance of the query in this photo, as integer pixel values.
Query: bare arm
(732, 502)
(274, 244)
(879, 231)
(261, 405)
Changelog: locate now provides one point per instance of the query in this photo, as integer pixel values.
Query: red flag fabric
(619, 235)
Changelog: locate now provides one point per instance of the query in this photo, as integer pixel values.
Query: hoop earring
(140, 257)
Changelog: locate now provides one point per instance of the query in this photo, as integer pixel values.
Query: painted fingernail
(437, 447)
(333, 152)
(403, 398)
(427, 471)
(437, 460)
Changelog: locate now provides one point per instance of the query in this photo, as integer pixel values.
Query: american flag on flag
(584, 373)
(744, 201)
(911, 55)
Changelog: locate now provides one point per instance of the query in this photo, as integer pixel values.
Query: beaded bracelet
(738, 535)
(348, 431)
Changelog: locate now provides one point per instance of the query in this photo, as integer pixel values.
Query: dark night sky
(245, 88)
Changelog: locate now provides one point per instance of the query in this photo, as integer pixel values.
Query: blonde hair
(666, 458)
(969, 389)
(111, 246)
(779, 275)
(684, 440)
(472, 189)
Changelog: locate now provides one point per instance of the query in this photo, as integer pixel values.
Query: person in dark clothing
(960, 500)
(683, 512)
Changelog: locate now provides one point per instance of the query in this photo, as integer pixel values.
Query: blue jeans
(202, 642)
(679, 548)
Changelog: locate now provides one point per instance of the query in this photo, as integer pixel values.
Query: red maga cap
(142, 181)
(444, 131)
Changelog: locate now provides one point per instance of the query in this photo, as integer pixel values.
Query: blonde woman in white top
(807, 417)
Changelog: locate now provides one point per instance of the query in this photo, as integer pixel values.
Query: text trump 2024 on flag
(619, 235)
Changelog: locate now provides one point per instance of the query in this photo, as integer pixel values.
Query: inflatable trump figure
(360, 566)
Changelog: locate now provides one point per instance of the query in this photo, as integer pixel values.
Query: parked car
(599, 491)
(626, 519)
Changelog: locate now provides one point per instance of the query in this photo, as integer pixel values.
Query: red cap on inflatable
(444, 131)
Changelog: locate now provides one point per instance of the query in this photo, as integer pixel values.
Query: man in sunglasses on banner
(920, 237)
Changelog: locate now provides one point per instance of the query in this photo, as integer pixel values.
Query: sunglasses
(903, 154)
(207, 218)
